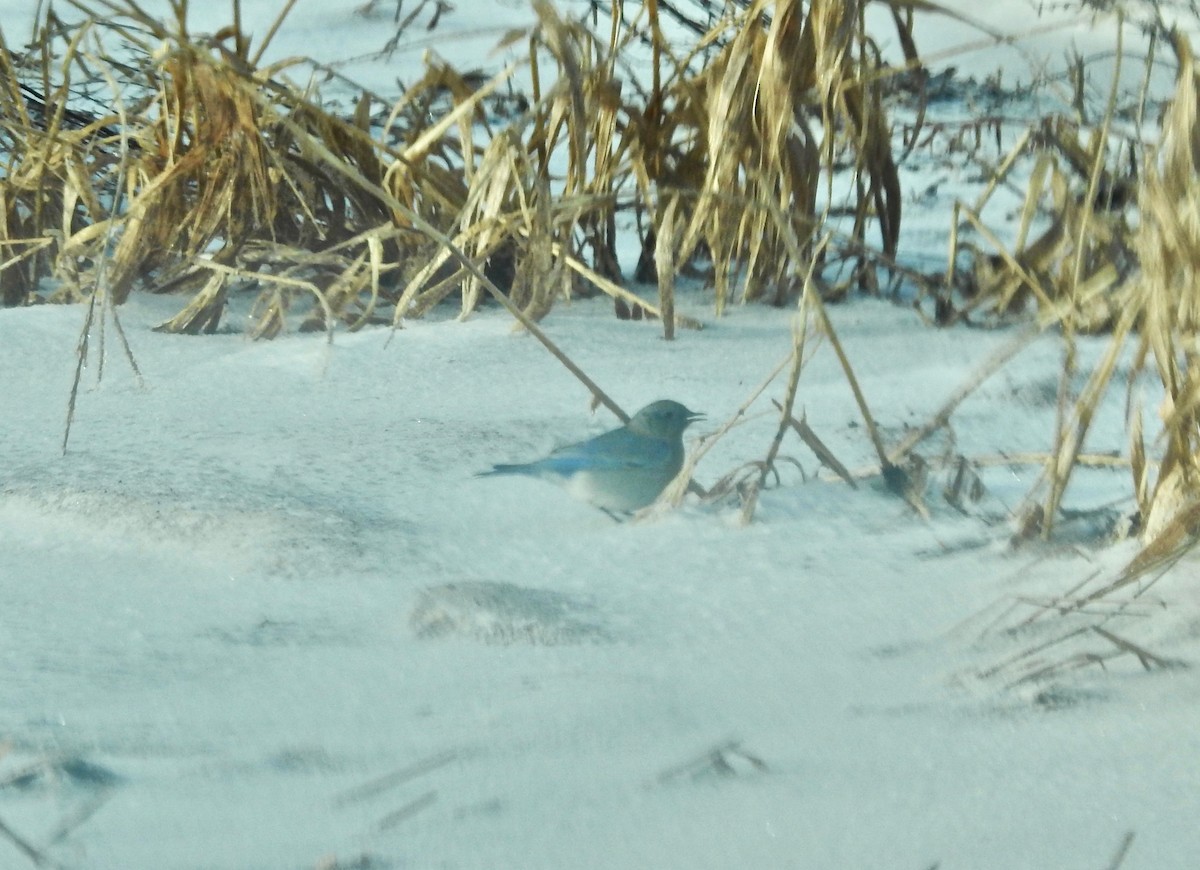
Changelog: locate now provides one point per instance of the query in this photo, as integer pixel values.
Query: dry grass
(1151, 311)
(1094, 268)
(1151, 316)
(213, 172)
(210, 173)
(1169, 244)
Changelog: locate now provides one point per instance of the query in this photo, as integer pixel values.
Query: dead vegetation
(203, 171)
(1156, 316)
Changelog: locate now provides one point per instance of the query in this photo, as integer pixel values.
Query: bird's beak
(694, 416)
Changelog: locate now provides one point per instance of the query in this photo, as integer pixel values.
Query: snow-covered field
(262, 614)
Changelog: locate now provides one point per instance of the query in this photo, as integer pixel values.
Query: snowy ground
(262, 614)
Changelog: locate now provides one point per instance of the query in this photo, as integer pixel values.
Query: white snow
(262, 614)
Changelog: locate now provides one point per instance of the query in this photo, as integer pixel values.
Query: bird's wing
(612, 451)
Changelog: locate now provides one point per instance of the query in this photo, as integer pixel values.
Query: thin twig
(70, 824)
(81, 353)
(817, 446)
(407, 811)
(39, 858)
(990, 366)
(1122, 851)
(397, 777)
(1148, 660)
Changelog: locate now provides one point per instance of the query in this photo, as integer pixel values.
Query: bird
(622, 470)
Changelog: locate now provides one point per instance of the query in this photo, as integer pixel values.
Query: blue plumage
(621, 470)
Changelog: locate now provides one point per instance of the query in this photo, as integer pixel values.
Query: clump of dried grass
(1071, 270)
(232, 176)
(215, 156)
(776, 107)
(1153, 313)
(1168, 243)
(229, 175)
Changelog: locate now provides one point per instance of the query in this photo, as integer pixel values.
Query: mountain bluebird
(622, 470)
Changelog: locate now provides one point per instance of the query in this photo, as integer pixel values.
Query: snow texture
(262, 614)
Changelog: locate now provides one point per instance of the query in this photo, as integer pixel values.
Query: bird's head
(663, 419)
